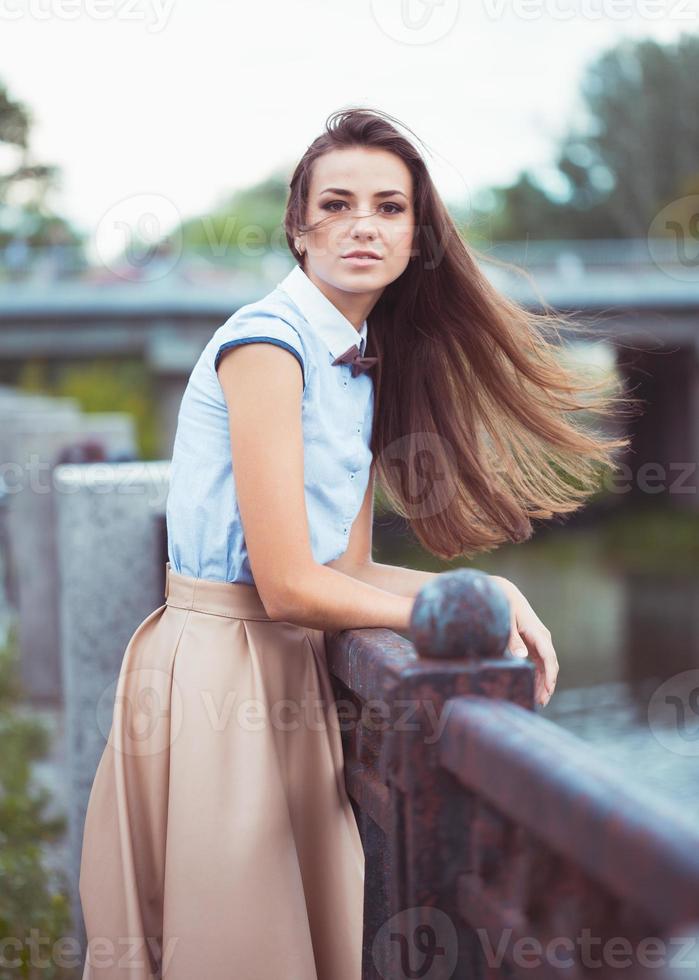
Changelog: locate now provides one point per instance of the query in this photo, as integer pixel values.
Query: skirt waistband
(237, 600)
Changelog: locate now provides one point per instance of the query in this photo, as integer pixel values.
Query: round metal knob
(462, 614)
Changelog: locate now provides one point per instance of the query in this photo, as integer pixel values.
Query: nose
(361, 228)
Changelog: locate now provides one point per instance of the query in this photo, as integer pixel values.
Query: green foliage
(244, 227)
(109, 385)
(30, 221)
(630, 93)
(635, 152)
(33, 898)
(522, 209)
(14, 120)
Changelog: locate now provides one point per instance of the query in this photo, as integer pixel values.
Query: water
(626, 635)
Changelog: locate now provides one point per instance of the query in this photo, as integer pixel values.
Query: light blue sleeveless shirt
(205, 534)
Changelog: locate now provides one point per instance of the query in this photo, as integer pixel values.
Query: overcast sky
(190, 99)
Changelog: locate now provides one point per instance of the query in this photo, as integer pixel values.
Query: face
(363, 199)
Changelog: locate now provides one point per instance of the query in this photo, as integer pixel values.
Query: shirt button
(351, 476)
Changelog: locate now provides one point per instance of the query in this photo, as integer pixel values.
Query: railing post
(460, 627)
(414, 826)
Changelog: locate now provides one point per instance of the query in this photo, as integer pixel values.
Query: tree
(247, 224)
(641, 150)
(636, 150)
(26, 218)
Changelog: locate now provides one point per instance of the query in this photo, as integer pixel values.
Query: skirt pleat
(219, 839)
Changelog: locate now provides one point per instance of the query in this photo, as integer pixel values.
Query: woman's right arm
(262, 385)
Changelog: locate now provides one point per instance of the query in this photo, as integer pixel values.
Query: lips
(362, 254)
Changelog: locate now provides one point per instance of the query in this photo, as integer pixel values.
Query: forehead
(359, 168)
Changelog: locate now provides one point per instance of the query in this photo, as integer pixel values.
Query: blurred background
(145, 154)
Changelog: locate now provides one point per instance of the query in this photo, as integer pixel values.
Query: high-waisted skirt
(219, 840)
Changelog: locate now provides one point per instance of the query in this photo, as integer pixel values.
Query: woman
(221, 844)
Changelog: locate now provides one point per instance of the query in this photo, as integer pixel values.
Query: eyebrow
(344, 193)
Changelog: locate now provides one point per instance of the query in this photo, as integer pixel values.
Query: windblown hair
(475, 431)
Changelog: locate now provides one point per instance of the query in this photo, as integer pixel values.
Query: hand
(529, 636)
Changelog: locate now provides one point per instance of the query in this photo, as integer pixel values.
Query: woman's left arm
(390, 578)
(528, 635)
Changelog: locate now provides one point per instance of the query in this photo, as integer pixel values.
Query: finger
(517, 642)
(541, 693)
(516, 645)
(550, 666)
(542, 648)
(544, 657)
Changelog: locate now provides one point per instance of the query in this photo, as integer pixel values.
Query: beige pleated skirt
(219, 839)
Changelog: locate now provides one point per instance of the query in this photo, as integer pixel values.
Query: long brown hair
(475, 430)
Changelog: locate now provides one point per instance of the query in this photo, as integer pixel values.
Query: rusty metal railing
(496, 844)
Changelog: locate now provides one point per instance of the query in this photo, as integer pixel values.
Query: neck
(355, 307)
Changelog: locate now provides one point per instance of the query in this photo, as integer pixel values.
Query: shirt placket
(357, 440)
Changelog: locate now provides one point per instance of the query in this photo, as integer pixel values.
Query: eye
(330, 206)
(390, 204)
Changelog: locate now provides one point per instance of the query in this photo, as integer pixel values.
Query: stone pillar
(111, 577)
(14, 406)
(34, 442)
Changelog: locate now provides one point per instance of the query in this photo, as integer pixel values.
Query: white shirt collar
(333, 327)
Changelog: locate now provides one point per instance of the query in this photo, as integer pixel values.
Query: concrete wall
(111, 578)
(32, 443)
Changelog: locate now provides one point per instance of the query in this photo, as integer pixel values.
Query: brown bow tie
(353, 357)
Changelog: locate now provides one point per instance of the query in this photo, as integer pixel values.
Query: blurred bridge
(641, 297)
